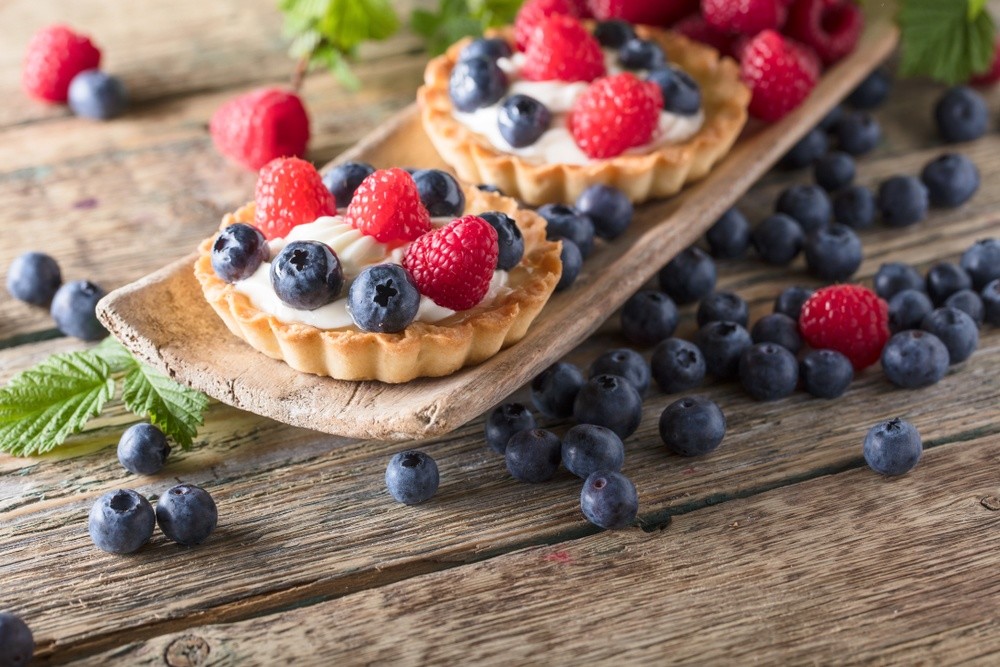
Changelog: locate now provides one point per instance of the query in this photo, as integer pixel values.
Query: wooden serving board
(165, 321)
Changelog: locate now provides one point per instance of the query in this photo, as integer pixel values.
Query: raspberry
(261, 125)
(454, 265)
(387, 206)
(746, 17)
(850, 319)
(614, 114)
(55, 55)
(991, 75)
(780, 73)
(562, 50)
(290, 192)
(648, 12)
(831, 27)
(534, 12)
(694, 27)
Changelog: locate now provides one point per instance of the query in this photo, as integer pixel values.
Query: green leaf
(177, 410)
(948, 41)
(114, 354)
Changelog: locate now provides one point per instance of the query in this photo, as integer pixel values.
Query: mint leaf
(948, 41)
(114, 354)
(177, 410)
(455, 19)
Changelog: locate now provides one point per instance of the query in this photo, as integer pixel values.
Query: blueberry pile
(35, 279)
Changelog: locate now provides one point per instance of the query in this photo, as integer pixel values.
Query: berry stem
(299, 75)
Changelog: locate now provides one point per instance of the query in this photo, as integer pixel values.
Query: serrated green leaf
(114, 354)
(177, 410)
(948, 41)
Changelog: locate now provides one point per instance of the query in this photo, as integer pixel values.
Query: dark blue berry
(522, 120)
(729, 237)
(476, 83)
(490, 48)
(509, 239)
(955, 329)
(872, 91)
(94, 94)
(504, 421)
(854, 206)
(343, 179)
(830, 120)
(383, 299)
(834, 171)
(858, 133)
(533, 456)
(777, 239)
(566, 221)
(689, 276)
(894, 277)
(913, 359)
(440, 193)
(982, 262)
(677, 365)
(768, 371)
(791, 300)
(681, 93)
(143, 449)
(692, 426)
(34, 278)
(826, 373)
(945, 279)
(722, 344)
(951, 180)
(608, 208)
(991, 303)
(902, 201)
(833, 254)
(489, 187)
(187, 514)
(609, 500)
(307, 275)
(961, 115)
(907, 309)
(238, 252)
(554, 390)
(610, 401)
(779, 329)
(412, 477)
(74, 308)
(808, 205)
(17, 644)
(614, 33)
(969, 302)
(892, 447)
(587, 448)
(648, 317)
(809, 148)
(639, 53)
(572, 263)
(723, 307)
(625, 363)
(121, 521)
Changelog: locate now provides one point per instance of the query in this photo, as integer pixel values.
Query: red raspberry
(562, 49)
(779, 72)
(261, 125)
(648, 12)
(694, 27)
(850, 319)
(55, 55)
(581, 9)
(992, 75)
(290, 192)
(387, 206)
(533, 13)
(831, 27)
(614, 114)
(746, 17)
(454, 265)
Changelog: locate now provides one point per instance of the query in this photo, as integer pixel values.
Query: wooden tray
(165, 321)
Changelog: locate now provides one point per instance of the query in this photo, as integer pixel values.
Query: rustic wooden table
(781, 547)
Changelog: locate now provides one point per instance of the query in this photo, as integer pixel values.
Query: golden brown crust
(423, 349)
(660, 173)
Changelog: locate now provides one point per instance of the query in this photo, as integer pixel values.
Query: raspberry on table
(780, 73)
(561, 49)
(614, 114)
(850, 319)
(289, 192)
(831, 27)
(55, 55)
(387, 206)
(260, 126)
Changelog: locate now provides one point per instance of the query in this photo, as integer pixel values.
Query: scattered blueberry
(187, 514)
(572, 263)
(858, 133)
(902, 201)
(143, 449)
(854, 206)
(791, 300)
(609, 500)
(523, 120)
(894, 277)
(689, 276)
(554, 390)
(873, 91)
(476, 83)
(826, 373)
(723, 307)
(94, 94)
(238, 252)
(809, 148)
(944, 279)
(17, 644)
(969, 302)
(834, 253)
(587, 448)
(614, 33)
(913, 359)
(489, 48)
(383, 299)
(830, 120)
(951, 180)
(779, 329)
(722, 344)
(648, 317)
(509, 239)
(729, 237)
(639, 53)
(610, 401)
(121, 521)
(533, 456)
(34, 278)
(504, 421)
(777, 239)
(808, 205)
(677, 365)
(834, 171)
(892, 447)
(961, 115)
(440, 193)
(955, 329)
(412, 477)
(74, 308)
(681, 93)
(692, 426)
(307, 275)
(343, 179)
(991, 303)
(907, 309)
(768, 371)
(982, 262)
(566, 221)
(625, 363)
(608, 208)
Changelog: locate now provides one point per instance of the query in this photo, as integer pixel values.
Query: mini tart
(660, 173)
(423, 349)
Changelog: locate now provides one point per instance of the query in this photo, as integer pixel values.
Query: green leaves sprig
(456, 19)
(947, 40)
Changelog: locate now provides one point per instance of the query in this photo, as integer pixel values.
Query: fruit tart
(545, 110)
(414, 276)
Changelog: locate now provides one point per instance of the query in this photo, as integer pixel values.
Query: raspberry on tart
(561, 49)
(534, 12)
(780, 72)
(454, 265)
(289, 192)
(614, 114)
(387, 206)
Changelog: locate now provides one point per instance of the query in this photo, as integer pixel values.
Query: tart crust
(659, 173)
(423, 349)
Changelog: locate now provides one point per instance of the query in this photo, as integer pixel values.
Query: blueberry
(779, 329)
(945, 279)
(440, 193)
(523, 120)
(625, 363)
(186, 514)
(566, 221)
(723, 306)
(504, 421)
(777, 239)
(873, 91)
(892, 447)
(608, 208)
(961, 115)
(955, 329)
(533, 456)
(509, 239)
(791, 300)
(74, 308)
(809, 148)
(768, 371)
(894, 277)
(121, 521)
(609, 500)
(902, 201)
(34, 278)
(17, 644)
(412, 477)
(907, 309)
(681, 93)
(833, 254)
(614, 33)
(951, 180)
(238, 252)
(913, 359)
(722, 344)
(689, 276)
(729, 237)
(489, 48)
(808, 205)
(94, 94)
(639, 53)
(826, 373)
(991, 303)
(969, 302)
(648, 317)
(343, 179)
(834, 171)
(587, 448)
(572, 263)
(831, 119)
(307, 275)
(489, 187)
(383, 299)
(858, 133)
(610, 401)
(143, 449)
(476, 83)
(677, 365)
(692, 426)
(982, 262)
(854, 206)
(554, 390)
